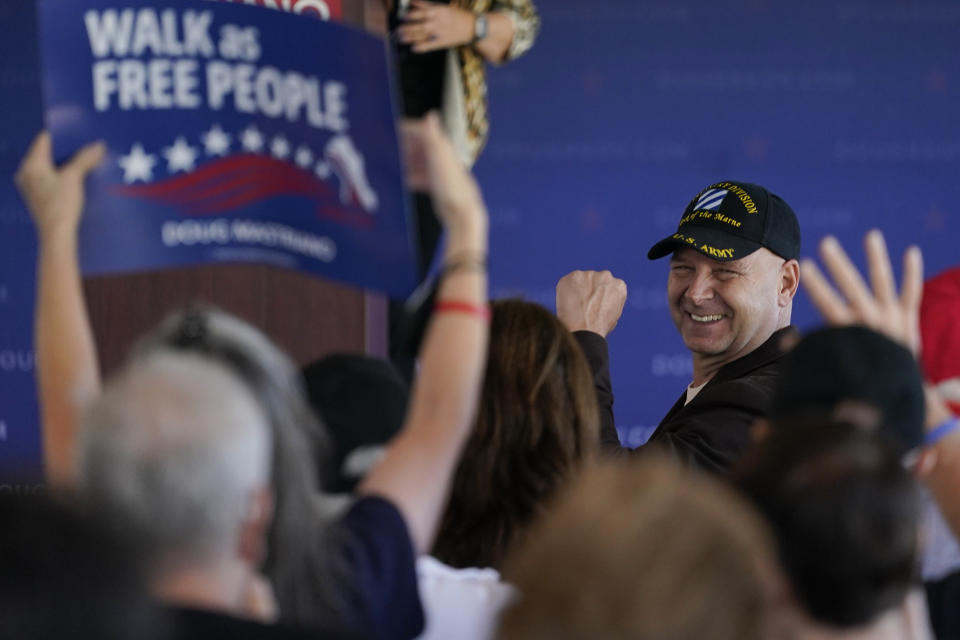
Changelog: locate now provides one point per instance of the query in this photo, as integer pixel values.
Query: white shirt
(464, 604)
(692, 392)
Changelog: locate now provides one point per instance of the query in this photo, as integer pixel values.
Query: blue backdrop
(604, 131)
(624, 110)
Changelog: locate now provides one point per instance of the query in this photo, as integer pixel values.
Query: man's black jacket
(713, 430)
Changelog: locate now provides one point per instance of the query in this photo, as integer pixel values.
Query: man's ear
(789, 281)
(254, 528)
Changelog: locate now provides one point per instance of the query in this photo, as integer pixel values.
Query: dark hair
(537, 422)
(69, 574)
(845, 513)
(299, 562)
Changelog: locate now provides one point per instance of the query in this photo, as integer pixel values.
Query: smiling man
(733, 275)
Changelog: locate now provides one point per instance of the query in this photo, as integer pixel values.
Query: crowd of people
(801, 487)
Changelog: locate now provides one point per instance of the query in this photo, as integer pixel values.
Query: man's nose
(701, 288)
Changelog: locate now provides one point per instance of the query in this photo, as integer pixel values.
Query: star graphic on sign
(280, 147)
(322, 170)
(137, 165)
(181, 156)
(251, 139)
(216, 141)
(304, 157)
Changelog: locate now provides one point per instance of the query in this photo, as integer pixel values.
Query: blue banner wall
(602, 133)
(623, 111)
(21, 119)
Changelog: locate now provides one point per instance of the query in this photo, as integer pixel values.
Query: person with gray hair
(177, 445)
(297, 561)
(177, 450)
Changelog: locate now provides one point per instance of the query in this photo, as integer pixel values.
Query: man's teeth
(717, 316)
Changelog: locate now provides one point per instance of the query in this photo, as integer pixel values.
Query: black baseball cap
(730, 220)
(362, 401)
(836, 364)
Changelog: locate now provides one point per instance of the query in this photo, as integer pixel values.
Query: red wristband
(483, 311)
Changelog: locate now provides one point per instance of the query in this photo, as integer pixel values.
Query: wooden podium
(306, 316)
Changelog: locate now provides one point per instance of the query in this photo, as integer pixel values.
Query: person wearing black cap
(852, 371)
(733, 275)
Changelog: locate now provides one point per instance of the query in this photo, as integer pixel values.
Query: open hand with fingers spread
(55, 196)
(590, 301)
(878, 306)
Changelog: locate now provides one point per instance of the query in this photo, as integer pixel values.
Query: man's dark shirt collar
(762, 355)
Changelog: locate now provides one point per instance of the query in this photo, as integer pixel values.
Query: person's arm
(942, 473)
(511, 28)
(589, 304)
(416, 470)
(67, 370)
(594, 347)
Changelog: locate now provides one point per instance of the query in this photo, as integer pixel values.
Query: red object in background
(940, 335)
(323, 9)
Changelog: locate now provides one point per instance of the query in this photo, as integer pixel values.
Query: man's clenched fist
(590, 301)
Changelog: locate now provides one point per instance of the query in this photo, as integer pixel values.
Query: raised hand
(590, 301)
(55, 196)
(878, 306)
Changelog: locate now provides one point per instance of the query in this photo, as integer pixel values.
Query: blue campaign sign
(234, 133)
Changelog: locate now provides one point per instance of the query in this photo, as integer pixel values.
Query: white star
(138, 165)
(216, 141)
(251, 139)
(304, 157)
(181, 156)
(322, 170)
(280, 147)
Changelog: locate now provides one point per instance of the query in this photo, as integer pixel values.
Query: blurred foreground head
(852, 373)
(537, 424)
(845, 513)
(67, 574)
(643, 551)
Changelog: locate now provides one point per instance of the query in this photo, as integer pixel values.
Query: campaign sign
(323, 9)
(234, 133)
